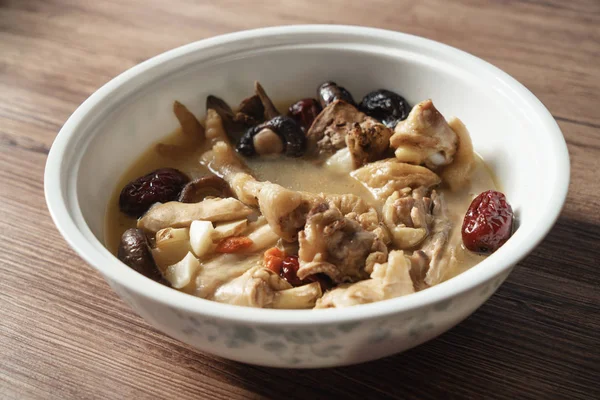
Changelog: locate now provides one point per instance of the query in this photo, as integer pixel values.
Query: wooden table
(65, 335)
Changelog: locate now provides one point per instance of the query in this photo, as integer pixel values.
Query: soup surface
(255, 259)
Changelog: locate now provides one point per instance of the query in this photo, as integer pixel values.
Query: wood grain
(65, 335)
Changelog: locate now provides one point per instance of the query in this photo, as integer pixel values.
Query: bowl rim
(55, 188)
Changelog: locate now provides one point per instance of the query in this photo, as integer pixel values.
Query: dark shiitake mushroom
(251, 111)
(277, 135)
(134, 251)
(329, 92)
(385, 106)
(262, 139)
(207, 186)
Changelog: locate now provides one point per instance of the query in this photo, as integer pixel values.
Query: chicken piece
(416, 219)
(328, 131)
(178, 215)
(408, 217)
(458, 173)
(223, 161)
(215, 131)
(419, 267)
(284, 209)
(301, 297)
(254, 288)
(424, 137)
(348, 204)
(334, 245)
(382, 178)
(388, 280)
(368, 141)
(221, 269)
(441, 255)
(355, 208)
(342, 125)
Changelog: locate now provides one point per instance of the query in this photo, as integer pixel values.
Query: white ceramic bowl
(511, 129)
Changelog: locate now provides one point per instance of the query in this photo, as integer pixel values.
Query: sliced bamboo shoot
(181, 273)
(201, 233)
(228, 229)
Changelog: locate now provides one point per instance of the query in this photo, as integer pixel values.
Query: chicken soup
(333, 204)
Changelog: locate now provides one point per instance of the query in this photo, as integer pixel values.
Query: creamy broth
(225, 277)
(295, 174)
(305, 175)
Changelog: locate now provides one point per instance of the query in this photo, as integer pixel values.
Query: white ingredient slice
(201, 237)
(228, 229)
(181, 273)
(168, 236)
(172, 244)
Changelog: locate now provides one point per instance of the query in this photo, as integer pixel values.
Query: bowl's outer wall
(316, 346)
(510, 129)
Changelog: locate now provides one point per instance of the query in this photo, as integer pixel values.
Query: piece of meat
(342, 125)
(224, 162)
(222, 269)
(457, 174)
(424, 137)
(261, 287)
(301, 297)
(254, 288)
(418, 220)
(333, 245)
(384, 177)
(368, 141)
(388, 280)
(354, 207)
(407, 216)
(419, 267)
(215, 131)
(327, 134)
(441, 255)
(285, 209)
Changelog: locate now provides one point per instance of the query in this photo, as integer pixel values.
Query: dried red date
(162, 185)
(289, 272)
(488, 223)
(304, 112)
